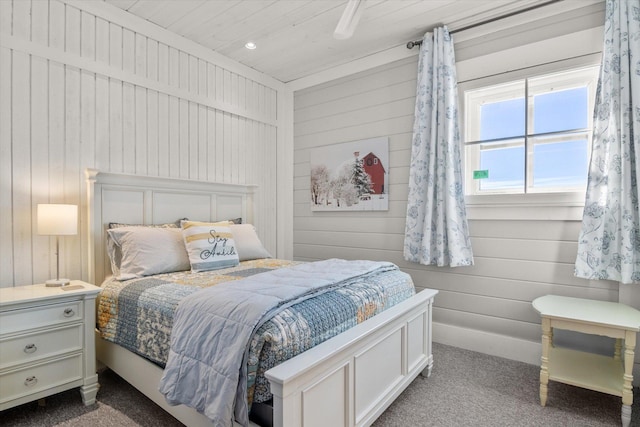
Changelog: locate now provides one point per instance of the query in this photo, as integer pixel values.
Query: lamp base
(56, 282)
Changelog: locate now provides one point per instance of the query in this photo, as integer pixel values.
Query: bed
(348, 380)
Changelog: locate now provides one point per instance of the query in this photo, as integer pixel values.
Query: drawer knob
(68, 312)
(31, 381)
(30, 348)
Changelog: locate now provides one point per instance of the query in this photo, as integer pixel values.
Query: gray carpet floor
(465, 389)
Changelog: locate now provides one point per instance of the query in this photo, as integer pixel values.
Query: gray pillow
(248, 243)
(113, 250)
(149, 250)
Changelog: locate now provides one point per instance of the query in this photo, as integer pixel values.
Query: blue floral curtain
(436, 230)
(609, 243)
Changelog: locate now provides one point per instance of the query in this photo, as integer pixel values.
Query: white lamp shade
(57, 220)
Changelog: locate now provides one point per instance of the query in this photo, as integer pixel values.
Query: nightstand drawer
(39, 316)
(30, 380)
(29, 347)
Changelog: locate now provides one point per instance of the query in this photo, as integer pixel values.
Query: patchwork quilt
(138, 314)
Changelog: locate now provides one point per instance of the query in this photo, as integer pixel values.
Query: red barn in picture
(374, 168)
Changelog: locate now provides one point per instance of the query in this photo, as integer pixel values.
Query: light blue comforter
(206, 368)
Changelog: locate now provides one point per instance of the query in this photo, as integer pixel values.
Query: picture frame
(350, 176)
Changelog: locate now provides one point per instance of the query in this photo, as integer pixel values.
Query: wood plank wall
(520, 254)
(79, 90)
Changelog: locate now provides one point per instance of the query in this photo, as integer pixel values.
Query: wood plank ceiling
(295, 37)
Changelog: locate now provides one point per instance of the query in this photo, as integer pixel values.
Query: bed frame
(348, 380)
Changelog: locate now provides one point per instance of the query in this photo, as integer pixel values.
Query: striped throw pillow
(210, 245)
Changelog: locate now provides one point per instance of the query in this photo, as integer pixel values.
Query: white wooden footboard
(352, 378)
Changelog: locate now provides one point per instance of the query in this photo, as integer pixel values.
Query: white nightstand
(612, 375)
(47, 342)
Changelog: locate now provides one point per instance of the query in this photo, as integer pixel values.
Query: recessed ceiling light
(250, 45)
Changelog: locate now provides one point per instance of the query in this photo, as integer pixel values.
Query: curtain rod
(413, 43)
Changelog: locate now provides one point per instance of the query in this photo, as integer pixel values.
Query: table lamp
(57, 220)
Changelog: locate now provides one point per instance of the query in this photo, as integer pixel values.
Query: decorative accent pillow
(210, 245)
(149, 250)
(248, 243)
(113, 250)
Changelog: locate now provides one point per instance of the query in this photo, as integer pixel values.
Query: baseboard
(488, 343)
(498, 345)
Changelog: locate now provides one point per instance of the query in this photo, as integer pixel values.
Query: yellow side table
(612, 375)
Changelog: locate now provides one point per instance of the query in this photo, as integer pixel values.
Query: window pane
(560, 164)
(560, 110)
(505, 166)
(502, 119)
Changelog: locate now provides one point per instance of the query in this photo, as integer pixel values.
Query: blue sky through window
(561, 110)
(502, 119)
(505, 166)
(560, 164)
(555, 163)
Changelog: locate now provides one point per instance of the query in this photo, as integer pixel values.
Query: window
(531, 135)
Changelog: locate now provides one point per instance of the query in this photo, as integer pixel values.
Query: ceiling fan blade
(349, 20)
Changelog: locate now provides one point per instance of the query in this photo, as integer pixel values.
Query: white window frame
(522, 206)
(526, 89)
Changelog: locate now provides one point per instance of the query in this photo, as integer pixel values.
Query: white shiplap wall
(521, 251)
(86, 85)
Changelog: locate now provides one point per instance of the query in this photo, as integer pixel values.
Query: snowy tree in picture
(320, 184)
(361, 179)
(343, 187)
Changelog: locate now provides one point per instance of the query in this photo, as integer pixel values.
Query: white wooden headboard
(135, 199)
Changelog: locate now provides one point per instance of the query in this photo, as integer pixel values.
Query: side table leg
(618, 349)
(544, 367)
(626, 415)
(627, 386)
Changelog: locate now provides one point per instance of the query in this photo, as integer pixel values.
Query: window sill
(522, 207)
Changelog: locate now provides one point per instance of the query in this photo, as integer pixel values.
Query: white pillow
(210, 245)
(113, 250)
(248, 243)
(149, 250)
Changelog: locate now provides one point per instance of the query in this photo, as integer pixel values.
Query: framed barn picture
(351, 176)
